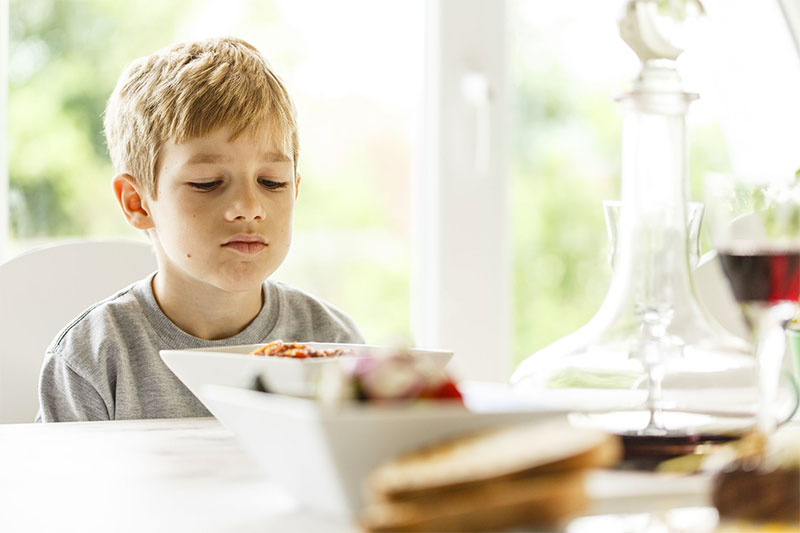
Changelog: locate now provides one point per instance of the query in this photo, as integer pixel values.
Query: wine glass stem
(768, 325)
(770, 346)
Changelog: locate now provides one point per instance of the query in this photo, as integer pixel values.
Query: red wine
(763, 276)
(646, 452)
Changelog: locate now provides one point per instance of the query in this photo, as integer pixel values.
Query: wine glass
(755, 228)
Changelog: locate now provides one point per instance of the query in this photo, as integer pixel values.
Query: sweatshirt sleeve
(66, 396)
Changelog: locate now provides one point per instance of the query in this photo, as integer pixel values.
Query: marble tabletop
(192, 475)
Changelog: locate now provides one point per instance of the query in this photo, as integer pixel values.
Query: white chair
(40, 292)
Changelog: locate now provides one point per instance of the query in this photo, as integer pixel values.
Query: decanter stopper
(658, 31)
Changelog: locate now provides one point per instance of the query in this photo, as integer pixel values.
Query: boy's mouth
(246, 244)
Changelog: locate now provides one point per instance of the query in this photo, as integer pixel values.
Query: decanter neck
(653, 255)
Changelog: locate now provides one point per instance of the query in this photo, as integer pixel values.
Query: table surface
(192, 475)
(143, 475)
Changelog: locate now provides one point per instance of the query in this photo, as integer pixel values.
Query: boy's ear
(132, 201)
(296, 185)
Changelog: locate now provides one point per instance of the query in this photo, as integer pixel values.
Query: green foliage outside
(565, 163)
(60, 77)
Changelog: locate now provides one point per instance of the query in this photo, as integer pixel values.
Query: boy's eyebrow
(275, 157)
(269, 157)
(199, 159)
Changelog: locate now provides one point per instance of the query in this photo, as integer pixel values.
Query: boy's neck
(204, 311)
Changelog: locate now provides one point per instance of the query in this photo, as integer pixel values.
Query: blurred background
(357, 72)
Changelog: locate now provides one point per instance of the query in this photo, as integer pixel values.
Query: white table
(145, 475)
(191, 475)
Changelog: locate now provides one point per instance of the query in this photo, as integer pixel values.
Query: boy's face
(223, 213)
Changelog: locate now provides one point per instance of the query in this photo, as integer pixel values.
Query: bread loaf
(525, 475)
(763, 483)
(514, 451)
(490, 506)
(745, 493)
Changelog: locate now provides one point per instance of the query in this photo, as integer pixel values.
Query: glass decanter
(651, 358)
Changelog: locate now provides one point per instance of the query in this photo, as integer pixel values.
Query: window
(567, 64)
(393, 214)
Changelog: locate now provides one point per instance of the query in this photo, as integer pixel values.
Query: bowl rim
(297, 407)
(238, 350)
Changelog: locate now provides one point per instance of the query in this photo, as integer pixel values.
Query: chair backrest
(41, 291)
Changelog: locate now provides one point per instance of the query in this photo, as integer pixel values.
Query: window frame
(461, 281)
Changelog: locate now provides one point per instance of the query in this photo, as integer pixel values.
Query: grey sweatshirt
(105, 364)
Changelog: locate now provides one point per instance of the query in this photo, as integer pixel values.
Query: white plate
(322, 453)
(233, 367)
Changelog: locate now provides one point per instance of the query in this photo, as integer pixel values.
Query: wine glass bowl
(755, 228)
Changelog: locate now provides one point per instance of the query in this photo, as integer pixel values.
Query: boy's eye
(205, 185)
(272, 184)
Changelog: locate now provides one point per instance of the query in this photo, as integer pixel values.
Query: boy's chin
(241, 282)
(240, 285)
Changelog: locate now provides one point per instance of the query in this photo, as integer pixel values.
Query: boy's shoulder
(99, 323)
(321, 320)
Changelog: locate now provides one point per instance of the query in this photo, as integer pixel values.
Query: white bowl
(233, 367)
(322, 453)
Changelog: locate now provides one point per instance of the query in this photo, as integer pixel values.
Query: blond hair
(189, 90)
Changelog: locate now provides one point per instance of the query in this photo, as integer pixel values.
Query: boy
(203, 140)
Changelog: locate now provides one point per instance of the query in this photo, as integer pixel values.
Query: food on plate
(401, 376)
(744, 491)
(763, 482)
(500, 504)
(524, 475)
(506, 452)
(278, 348)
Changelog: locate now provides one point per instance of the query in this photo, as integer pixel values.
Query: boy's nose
(246, 205)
